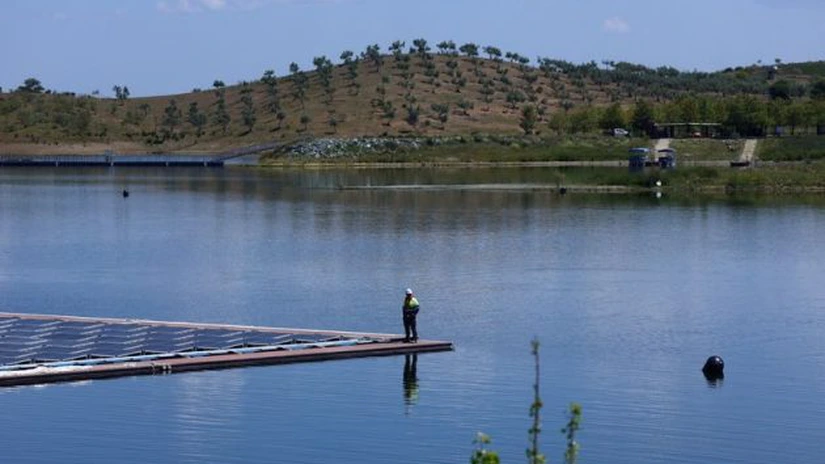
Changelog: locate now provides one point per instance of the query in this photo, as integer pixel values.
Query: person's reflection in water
(410, 380)
(715, 383)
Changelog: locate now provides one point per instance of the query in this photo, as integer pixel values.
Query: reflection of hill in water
(327, 190)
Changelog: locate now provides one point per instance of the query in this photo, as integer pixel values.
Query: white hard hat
(409, 291)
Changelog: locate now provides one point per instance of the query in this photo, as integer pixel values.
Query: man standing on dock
(409, 310)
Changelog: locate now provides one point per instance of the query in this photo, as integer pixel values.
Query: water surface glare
(627, 294)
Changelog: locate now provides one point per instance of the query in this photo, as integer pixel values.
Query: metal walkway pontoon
(40, 348)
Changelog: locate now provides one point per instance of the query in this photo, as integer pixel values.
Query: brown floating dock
(37, 349)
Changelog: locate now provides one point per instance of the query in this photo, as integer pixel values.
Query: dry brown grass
(355, 112)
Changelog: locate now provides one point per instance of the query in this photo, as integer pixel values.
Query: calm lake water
(628, 296)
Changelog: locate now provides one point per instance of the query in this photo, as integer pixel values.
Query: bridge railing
(114, 159)
(108, 160)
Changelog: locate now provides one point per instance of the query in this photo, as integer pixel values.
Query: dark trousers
(410, 328)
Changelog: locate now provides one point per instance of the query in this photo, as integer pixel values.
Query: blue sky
(171, 46)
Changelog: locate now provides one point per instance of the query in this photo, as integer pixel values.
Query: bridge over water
(111, 159)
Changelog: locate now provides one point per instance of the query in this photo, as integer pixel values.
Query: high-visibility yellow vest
(410, 304)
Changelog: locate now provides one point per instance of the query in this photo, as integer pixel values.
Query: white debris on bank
(337, 148)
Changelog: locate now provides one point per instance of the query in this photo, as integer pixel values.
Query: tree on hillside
(583, 120)
(373, 55)
(688, 109)
(528, 119)
(777, 113)
(459, 82)
(432, 73)
(780, 89)
(446, 47)
(442, 111)
(548, 67)
(269, 78)
(221, 116)
(488, 90)
(323, 68)
(709, 109)
(31, 85)
(560, 122)
(409, 85)
(798, 115)
(612, 117)
(397, 48)
(421, 48)
(643, 118)
(452, 65)
(470, 50)
(388, 112)
(351, 62)
(522, 61)
(746, 116)
(273, 102)
(196, 118)
(381, 90)
(172, 116)
(248, 116)
(299, 83)
(493, 53)
(514, 98)
(466, 106)
(817, 91)
(413, 112)
(121, 93)
(817, 109)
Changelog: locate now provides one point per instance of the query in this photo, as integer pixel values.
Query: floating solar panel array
(30, 342)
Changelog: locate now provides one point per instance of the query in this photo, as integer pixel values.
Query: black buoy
(563, 191)
(125, 193)
(714, 368)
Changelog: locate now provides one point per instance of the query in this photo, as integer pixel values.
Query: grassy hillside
(409, 92)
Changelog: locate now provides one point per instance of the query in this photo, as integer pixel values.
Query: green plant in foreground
(483, 455)
(571, 452)
(533, 454)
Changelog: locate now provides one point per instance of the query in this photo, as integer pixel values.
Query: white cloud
(214, 4)
(616, 25)
(199, 6)
(190, 6)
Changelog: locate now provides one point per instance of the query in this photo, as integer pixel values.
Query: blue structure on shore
(640, 158)
(667, 158)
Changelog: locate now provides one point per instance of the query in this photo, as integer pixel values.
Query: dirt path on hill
(662, 144)
(748, 151)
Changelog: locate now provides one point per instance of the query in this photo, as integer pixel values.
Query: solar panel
(40, 340)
